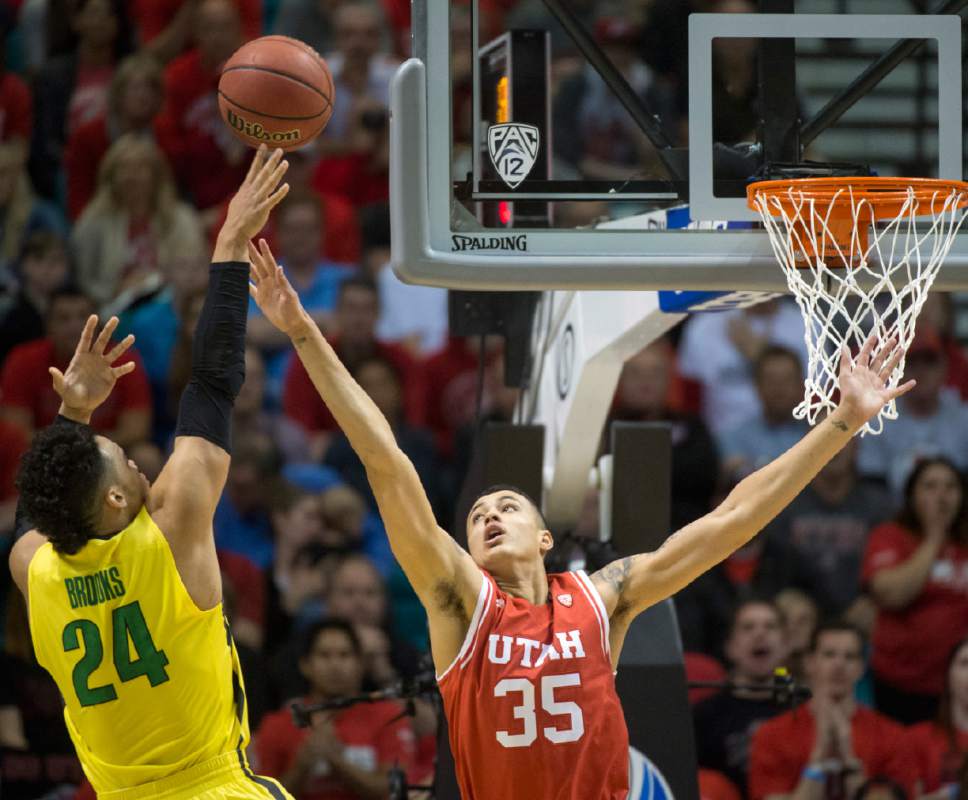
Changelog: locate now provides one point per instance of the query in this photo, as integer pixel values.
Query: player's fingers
(58, 378)
(87, 334)
(118, 350)
(269, 179)
(124, 369)
(903, 389)
(885, 350)
(270, 260)
(844, 358)
(273, 199)
(863, 357)
(256, 163)
(257, 269)
(886, 370)
(253, 292)
(267, 170)
(101, 343)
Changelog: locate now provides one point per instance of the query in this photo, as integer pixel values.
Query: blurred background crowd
(115, 171)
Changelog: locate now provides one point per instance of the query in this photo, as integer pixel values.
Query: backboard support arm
(648, 123)
(868, 79)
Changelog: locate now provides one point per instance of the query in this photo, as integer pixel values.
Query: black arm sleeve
(218, 357)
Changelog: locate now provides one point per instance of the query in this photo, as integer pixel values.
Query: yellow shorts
(225, 777)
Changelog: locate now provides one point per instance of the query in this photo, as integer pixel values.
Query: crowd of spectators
(115, 171)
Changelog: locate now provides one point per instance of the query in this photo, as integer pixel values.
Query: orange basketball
(276, 91)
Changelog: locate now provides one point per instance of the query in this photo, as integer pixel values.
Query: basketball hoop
(860, 254)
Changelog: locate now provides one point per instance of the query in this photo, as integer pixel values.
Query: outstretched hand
(90, 377)
(271, 290)
(259, 193)
(863, 383)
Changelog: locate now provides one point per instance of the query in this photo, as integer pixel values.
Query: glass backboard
(574, 144)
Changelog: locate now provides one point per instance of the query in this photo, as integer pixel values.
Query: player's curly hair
(58, 482)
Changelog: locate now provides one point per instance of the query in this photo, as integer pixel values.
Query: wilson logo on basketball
(255, 130)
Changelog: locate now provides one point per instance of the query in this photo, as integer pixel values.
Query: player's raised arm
(86, 383)
(183, 499)
(630, 585)
(442, 574)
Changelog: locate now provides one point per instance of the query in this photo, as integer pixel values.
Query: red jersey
(530, 698)
(781, 748)
(939, 758)
(911, 644)
(374, 736)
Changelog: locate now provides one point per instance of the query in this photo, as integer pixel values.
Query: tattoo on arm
(616, 574)
(839, 425)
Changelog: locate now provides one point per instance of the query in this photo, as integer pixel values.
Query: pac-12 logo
(513, 147)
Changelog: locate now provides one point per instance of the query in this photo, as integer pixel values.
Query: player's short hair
(326, 626)
(59, 483)
(508, 487)
(837, 626)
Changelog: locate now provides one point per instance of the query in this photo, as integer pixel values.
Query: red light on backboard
(504, 212)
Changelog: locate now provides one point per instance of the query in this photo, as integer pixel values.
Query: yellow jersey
(151, 684)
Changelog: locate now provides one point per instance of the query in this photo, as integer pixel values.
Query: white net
(857, 273)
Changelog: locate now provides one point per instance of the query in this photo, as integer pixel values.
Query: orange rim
(885, 196)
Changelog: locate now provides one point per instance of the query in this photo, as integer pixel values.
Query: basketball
(276, 91)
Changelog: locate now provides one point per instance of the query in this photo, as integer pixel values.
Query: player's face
(756, 645)
(503, 528)
(333, 667)
(836, 665)
(125, 474)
